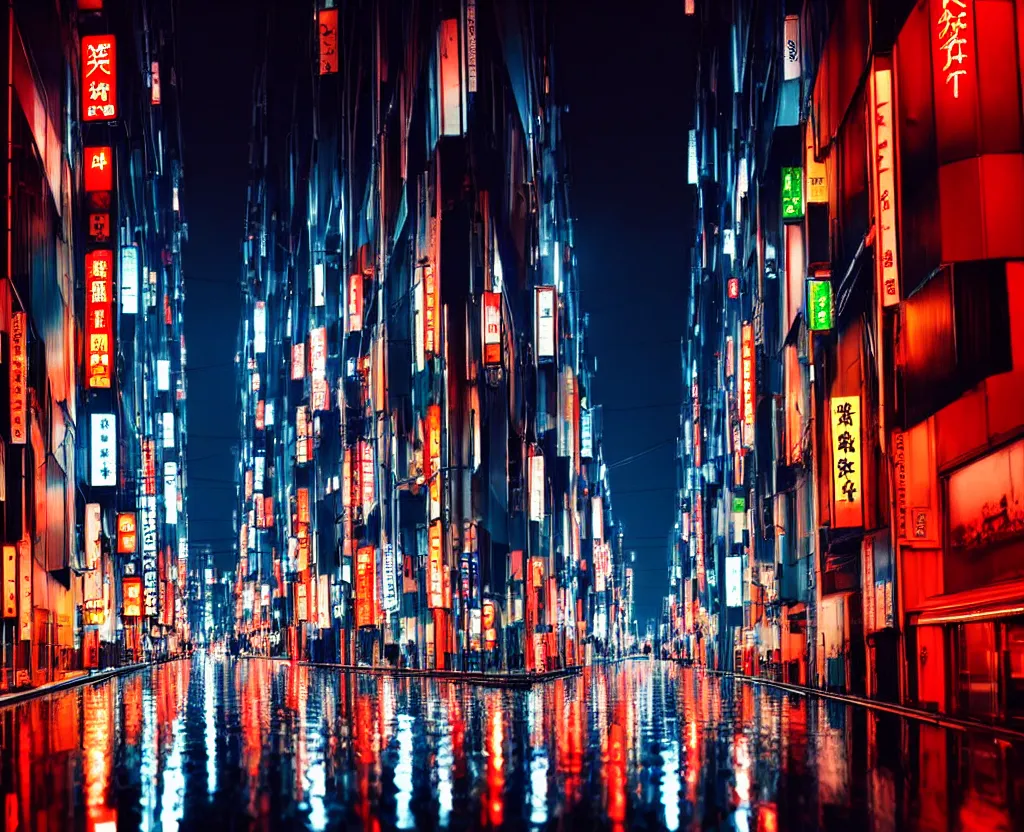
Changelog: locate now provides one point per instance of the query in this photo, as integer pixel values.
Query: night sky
(626, 78)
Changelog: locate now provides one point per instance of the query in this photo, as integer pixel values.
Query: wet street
(254, 744)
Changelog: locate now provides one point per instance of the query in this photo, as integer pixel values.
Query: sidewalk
(496, 679)
(83, 677)
(918, 714)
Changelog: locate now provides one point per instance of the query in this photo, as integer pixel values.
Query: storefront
(973, 638)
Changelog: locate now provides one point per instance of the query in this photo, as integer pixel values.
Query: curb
(20, 696)
(929, 717)
(495, 680)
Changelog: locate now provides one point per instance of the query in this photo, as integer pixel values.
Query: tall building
(90, 310)
(420, 478)
(852, 451)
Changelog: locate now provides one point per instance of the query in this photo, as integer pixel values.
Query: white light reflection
(316, 776)
(147, 763)
(445, 760)
(539, 788)
(172, 804)
(671, 785)
(210, 707)
(404, 818)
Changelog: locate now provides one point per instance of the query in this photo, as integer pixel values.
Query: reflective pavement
(224, 744)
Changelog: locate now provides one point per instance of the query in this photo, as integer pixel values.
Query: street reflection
(259, 744)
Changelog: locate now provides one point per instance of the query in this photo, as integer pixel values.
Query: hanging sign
(126, 540)
(103, 450)
(129, 280)
(431, 317)
(131, 590)
(537, 486)
(10, 581)
(327, 20)
(492, 329)
(149, 564)
(846, 456)
(389, 584)
(545, 323)
(19, 370)
(435, 584)
(792, 194)
(98, 325)
(92, 535)
(99, 78)
(99, 169)
(748, 384)
(883, 163)
(819, 305)
(791, 49)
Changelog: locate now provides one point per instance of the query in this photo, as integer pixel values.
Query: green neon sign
(792, 194)
(820, 310)
(739, 505)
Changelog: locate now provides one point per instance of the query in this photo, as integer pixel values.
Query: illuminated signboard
(149, 565)
(952, 28)
(148, 466)
(435, 581)
(327, 20)
(734, 288)
(19, 369)
(126, 533)
(99, 331)
(537, 486)
(318, 350)
(748, 387)
(99, 78)
(131, 589)
(815, 174)
(819, 305)
(99, 169)
(92, 535)
(163, 375)
(734, 581)
(586, 434)
(450, 72)
(791, 50)
(730, 356)
(129, 280)
(355, 302)
(298, 361)
(10, 581)
(365, 590)
(259, 327)
(303, 435)
(389, 584)
(366, 474)
(168, 429)
(545, 323)
(155, 87)
(883, 162)
(697, 539)
(846, 456)
(691, 162)
(90, 5)
(171, 493)
(492, 329)
(792, 194)
(431, 315)
(103, 450)
(432, 463)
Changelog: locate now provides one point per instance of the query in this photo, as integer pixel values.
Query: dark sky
(624, 72)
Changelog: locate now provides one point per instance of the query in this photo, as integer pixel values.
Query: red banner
(328, 25)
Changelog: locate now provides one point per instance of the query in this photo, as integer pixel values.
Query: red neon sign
(99, 273)
(99, 78)
(126, 533)
(747, 389)
(734, 288)
(99, 169)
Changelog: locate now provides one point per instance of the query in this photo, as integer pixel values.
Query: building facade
(851, 452)
(420, 474)
(91, 314)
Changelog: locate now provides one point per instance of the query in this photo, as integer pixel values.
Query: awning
(1001, 600)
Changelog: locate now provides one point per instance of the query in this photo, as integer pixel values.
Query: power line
(636, 456)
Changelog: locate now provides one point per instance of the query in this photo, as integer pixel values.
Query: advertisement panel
(366, 558)
(149, 561)
(131, 592)
(389, 584)
(748, 389)
(435, 568)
